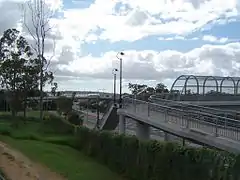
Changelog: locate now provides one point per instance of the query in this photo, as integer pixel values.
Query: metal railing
(100, 121)
(194, 107)
(183, 117)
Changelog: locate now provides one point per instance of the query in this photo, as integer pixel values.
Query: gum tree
(15, 67)
(37, 18)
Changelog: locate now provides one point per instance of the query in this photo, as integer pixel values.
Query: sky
(161, 39)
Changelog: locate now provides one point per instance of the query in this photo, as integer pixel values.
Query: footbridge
(200, 125)
(218, 128)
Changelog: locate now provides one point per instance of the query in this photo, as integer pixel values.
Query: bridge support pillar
(143, 130)
(122, 124)
(166, 136)
(183, 142)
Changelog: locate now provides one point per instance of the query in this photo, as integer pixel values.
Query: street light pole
(114, 86)
(120, 90)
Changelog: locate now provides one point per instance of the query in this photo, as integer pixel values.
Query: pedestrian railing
(183, 117)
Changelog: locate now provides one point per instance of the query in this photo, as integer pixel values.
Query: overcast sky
(161, 39)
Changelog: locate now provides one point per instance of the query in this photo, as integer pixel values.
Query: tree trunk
(41, 95)
(13, 112)
(25, 108)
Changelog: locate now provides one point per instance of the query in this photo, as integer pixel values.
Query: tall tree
(64, 105)
(15, 53)
(39, 30)
(161, 88)
(136, 88)
(30, 79)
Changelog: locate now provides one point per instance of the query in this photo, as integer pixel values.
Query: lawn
(28, 113)
(62, 159)
(46, 148)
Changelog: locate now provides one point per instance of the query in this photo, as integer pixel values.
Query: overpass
(212, 127)
(196, 125)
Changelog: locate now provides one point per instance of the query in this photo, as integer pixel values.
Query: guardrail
(100, 121)
(194, 107)
(201, 121)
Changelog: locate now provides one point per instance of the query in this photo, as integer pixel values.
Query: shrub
(55, 125)
(19, 118)
(153, 160)
(27, 136)
(67, 141)
(75, 119)
(5, 132)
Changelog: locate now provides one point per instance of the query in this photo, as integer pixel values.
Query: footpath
(16, 166)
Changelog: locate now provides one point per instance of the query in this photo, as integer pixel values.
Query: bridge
(211, 91)
(201, 126)
(212, 127)
(197, 126)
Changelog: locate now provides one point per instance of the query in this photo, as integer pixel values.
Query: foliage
(161, 88)
(136, 88)
(140, 88)
(139, 160)
(4, 106)
(54, 124)
(18, 70)
(64, 104)
(39, 19)
(50, 106)
(75, 118)
(35, 93)
(68, 162)
(54, 89)
(135, 159)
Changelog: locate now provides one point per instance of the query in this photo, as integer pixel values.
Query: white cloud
(142, 18)
(211, 38)
(151, 65)
(207, 38)
(134, 20)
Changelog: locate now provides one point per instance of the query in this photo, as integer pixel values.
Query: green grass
(52, 149)
(28, 113)
(62, 159)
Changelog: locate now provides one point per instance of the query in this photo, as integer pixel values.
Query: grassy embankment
(44, 143)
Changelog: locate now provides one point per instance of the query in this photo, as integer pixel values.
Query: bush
(18, 117)
(75, 119)
(53, 124)
(153, 160)
(5, 132)
(66, 141)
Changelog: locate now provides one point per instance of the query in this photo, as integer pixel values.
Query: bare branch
(40, 18)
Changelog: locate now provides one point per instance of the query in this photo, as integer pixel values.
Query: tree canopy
(138, 88)
(20, 69)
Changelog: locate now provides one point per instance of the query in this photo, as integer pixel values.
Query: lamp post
(120, 87)
(114, 85)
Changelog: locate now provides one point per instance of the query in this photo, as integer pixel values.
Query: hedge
(143, 160)
(154, 160)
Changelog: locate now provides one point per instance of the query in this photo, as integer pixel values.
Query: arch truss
(190, 84)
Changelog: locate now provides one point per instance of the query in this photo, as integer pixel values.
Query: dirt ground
(16, 166)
